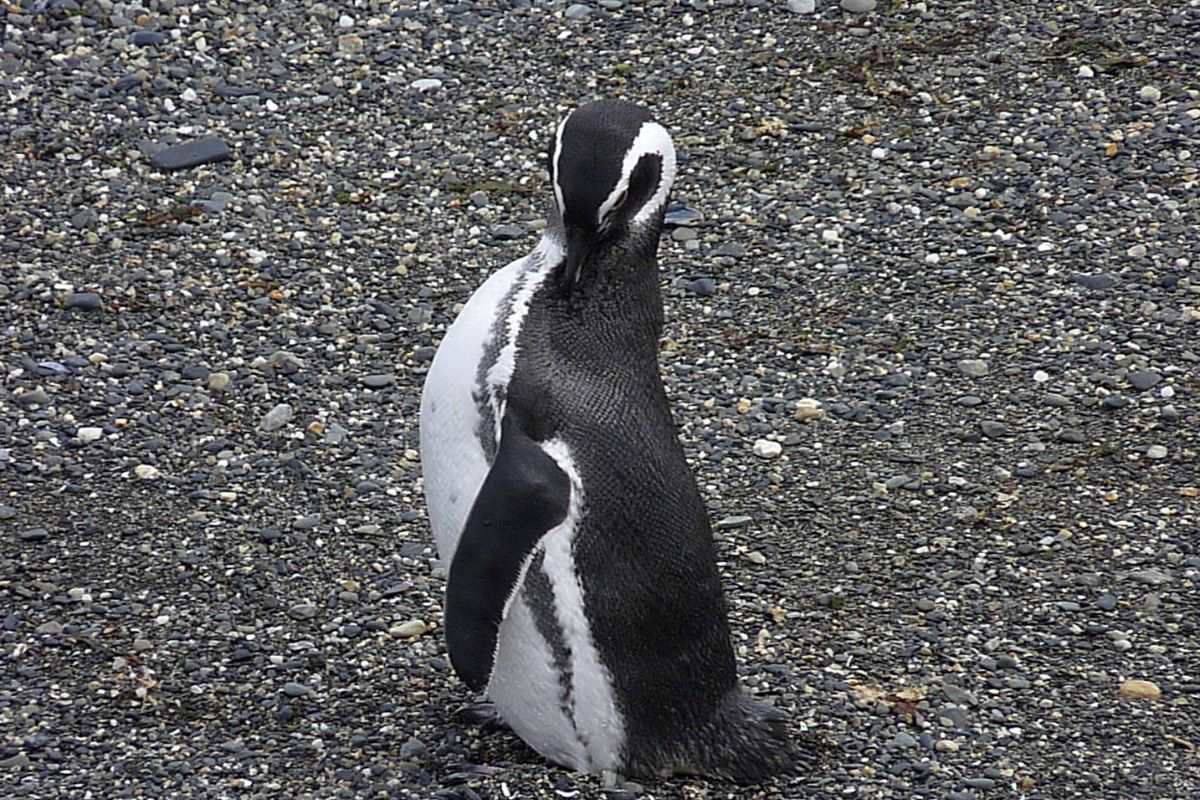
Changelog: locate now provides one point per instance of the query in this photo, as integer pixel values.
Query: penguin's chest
(463, 397)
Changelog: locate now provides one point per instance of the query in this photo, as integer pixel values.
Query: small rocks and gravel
(933, 313)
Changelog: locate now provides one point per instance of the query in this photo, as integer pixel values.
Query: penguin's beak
(580, 243)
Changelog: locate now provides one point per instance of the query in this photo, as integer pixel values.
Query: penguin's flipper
(523, 497)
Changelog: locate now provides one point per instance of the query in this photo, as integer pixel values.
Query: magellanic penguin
(583, 595)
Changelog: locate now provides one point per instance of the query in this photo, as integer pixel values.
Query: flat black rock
(191, 154)
(1097, 282)
(83, 301)
(147, 38)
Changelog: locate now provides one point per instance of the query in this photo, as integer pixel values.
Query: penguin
(582, 596)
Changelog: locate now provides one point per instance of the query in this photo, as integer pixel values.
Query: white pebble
(408, 630)
(346, 21)
(1040, 377)
(932, 258)
(189, 95)
(89, 434)
(1086, 72)
(1137, 251)
(147, 472)
(426, 84)
(1156, 452)
(765, 448)
(879, 153)
(1151, 94)
(830, 235)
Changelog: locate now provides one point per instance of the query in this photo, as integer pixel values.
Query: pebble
(89, 434)
(765, 448)
(1150, 93)
(1150, 577)
(276, 418)
(680, 214)
(218, 381)
(408, 630)
(147, 472)
(1086, 72)
(83, 301)
(1106, 602)
(508, 232)
(1098, 282)
(973, 367)
(426, 84)
(802, 6)
(378, 381)
(578, 11)
(34, 535)
(412, 749)
(702, 287)
(50, 628)
(147, 38)
(307, 522)
(1156, 452)
(737, 521)
(859, 6)
(993, 429)
(294, 689)
(755, 557)
(1143, 380)
(208, 150)
(807, 409)
(302, 611)
(1135, 689)
(958, 695)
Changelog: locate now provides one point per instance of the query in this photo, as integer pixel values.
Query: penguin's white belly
(556, 695)
(563, 704)
(453, 462)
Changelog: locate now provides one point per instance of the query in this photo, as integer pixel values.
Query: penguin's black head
(612, 167)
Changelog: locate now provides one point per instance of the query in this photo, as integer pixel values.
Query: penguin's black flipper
(523, 497)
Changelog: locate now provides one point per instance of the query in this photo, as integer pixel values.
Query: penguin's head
(612, 167)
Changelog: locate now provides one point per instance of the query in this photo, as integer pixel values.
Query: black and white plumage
(583, 594)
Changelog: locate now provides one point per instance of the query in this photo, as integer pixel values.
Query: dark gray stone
(208, 150)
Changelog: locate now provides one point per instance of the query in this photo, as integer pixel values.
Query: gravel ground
(934, 348)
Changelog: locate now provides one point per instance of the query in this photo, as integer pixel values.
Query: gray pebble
(276, 418)
(208, 150)
(83, 301)
(378, 381)
(302, 611)
(973, 367)
(1144, 379)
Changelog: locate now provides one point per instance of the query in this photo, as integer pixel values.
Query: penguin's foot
(483, 714)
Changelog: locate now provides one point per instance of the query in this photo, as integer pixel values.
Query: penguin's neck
(614, 313)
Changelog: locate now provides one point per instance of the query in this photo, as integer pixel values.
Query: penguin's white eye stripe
(556, 173)
(652, 139)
